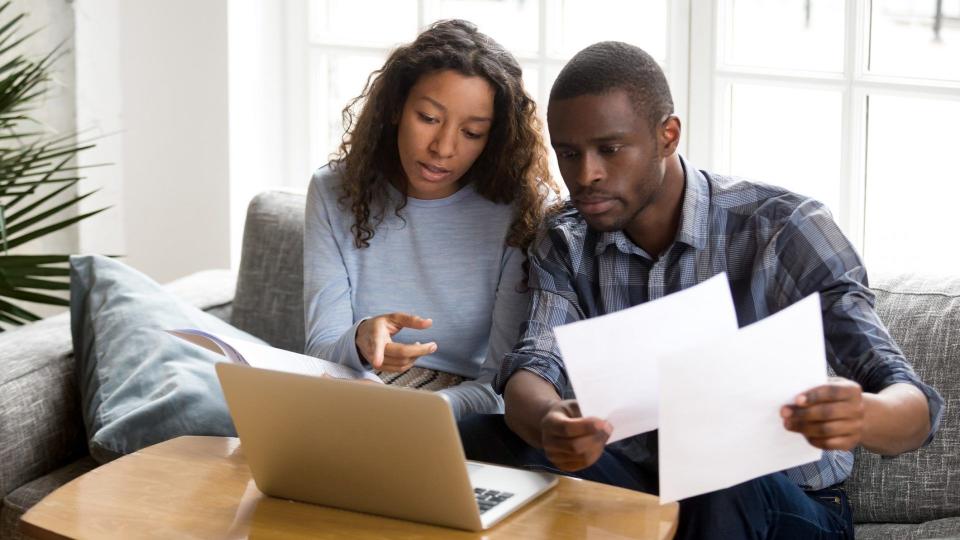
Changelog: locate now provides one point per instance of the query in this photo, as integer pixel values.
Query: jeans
(771, 506)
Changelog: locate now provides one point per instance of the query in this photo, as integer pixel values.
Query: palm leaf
(8, 261)
(36, 174)
(16, 228)
(24, 238)
(28, 283)
(33, 271)
(7, 317)
(38, 298)
(12, 218)
(3, 230)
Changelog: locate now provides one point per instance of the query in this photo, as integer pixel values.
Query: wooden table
(201, 487)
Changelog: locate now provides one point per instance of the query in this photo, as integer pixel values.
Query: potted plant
(36, 167)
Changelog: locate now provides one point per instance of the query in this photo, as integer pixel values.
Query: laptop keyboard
(488, 498)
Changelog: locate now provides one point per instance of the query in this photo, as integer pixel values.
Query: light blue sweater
(447, 262)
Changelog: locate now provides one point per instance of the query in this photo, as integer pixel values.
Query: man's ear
(668, 134)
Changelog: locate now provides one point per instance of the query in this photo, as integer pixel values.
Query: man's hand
(374, 341)
(831, 416)
(572, 443)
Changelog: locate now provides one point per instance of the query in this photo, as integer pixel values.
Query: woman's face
(443, 128)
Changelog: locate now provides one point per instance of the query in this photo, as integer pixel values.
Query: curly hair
(511, 169)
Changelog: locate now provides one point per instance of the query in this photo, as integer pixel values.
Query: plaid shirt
(776, 247)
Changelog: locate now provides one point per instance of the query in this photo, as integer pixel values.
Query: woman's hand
(375, 344)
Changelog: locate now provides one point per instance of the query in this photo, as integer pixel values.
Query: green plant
(35, 168)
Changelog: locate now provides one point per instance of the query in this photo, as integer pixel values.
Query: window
(850, 102)
(542, 34)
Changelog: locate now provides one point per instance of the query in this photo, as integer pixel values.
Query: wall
(259, 109)
(152, 80)
(52, 20)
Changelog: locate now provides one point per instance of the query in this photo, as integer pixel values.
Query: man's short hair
(613, 65)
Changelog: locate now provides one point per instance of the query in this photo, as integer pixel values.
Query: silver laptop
(367, 447)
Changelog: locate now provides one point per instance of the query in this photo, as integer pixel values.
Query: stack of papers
(680, 364)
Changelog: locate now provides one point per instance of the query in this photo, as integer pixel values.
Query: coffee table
(200, 487)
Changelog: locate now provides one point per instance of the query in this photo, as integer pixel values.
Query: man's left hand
(829, 416)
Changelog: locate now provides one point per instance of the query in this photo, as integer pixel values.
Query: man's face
(609, 157)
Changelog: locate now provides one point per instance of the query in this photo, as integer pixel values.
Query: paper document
(266, 357)
(720, 403)
(611, 360)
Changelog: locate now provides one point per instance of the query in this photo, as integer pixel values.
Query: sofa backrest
(269, 298)
(923, 315)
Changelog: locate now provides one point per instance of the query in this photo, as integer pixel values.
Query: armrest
(40, 423)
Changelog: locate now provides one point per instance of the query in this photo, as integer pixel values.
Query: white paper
(266, 357)
(720, 403)
(611, 360)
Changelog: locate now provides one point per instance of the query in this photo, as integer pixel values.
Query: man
(642, 223)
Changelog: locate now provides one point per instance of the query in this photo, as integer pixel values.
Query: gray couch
(42, 442)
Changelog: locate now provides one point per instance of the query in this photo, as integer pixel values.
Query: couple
(417, 243)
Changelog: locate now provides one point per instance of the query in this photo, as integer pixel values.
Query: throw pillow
(138, 384)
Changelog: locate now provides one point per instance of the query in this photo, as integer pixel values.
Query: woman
(416, 232)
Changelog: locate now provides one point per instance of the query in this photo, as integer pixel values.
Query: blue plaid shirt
(776, 248)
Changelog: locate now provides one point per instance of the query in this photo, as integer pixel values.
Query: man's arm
(895, 420)
(531, 377)
(839, 416)
(527, 398)
(877, 400)
(535, 412)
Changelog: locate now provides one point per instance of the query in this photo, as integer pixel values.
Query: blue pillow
(138, 384)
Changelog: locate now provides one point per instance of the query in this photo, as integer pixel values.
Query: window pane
(574, 24)
(531, 80)
(912, 185)
(784, 34)
(363, 22)
(513, 23)
(337, 79)
(907, 40)
(788, 137)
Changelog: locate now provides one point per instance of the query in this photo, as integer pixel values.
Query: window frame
(709, 118)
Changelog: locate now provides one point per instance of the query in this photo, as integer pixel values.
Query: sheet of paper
(720, 403)
(612, 360)
(266, 357)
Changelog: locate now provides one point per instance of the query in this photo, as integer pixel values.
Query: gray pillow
(138, 384)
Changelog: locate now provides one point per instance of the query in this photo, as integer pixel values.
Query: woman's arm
(509, 311)
(473, 397)
(327, 307)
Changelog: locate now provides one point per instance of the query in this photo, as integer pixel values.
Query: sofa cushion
(923, 316)
(138, 384)
(269, 299)
(21, 499)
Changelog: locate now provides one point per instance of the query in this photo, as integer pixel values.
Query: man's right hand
(571, 442)
(375, 341)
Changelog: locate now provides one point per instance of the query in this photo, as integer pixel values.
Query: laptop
(370, 448)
